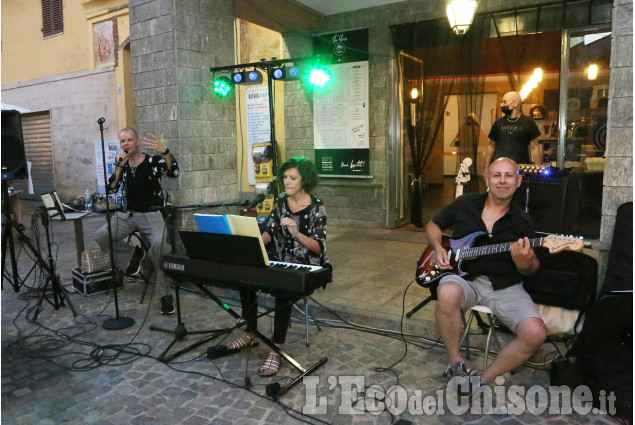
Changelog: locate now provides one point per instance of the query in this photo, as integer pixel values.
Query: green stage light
(222, 86)
(319, 77)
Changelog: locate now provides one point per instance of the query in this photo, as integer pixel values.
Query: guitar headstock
(463, 176)
(557, 243)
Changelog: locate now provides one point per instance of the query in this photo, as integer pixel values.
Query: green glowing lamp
(319, 77)
(222, 86)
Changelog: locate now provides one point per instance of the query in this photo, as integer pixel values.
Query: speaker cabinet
(13, 156)
(544, 198)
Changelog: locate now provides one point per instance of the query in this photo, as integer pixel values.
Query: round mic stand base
(115, 324)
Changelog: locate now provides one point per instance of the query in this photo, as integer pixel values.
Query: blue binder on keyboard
(212, 223)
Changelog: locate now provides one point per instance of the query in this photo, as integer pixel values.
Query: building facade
(172, 47)
(68, 67)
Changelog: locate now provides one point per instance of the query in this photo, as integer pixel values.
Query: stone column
(618, 175)
(174, 43)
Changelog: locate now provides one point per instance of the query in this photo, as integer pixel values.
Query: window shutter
(52, 18)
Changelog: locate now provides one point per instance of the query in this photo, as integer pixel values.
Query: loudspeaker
(545, 196)
(619, 267)
(13, 156)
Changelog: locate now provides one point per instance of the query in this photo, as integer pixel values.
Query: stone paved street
(70, 370)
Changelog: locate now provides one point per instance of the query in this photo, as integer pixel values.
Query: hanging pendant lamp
(460, 14)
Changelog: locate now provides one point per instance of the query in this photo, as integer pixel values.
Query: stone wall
(356, 202)
(618, 173)
(174, 44)
(364, 202)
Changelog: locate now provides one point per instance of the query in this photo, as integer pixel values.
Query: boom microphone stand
(180, 332)
(116, 322)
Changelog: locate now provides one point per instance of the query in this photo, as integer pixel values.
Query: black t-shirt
(512, 138)
(464, 216)
(142, 185)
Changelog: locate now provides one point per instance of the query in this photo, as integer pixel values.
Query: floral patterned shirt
(142, 184)
(311, 222)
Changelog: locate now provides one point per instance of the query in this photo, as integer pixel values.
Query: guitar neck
(498, 248)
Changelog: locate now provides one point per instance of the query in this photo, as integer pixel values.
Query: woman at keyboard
(295, 232)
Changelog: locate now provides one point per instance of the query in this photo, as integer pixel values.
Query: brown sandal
(271, 365)
(242, 342)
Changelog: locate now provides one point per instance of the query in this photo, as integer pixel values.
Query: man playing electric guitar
(493, 280)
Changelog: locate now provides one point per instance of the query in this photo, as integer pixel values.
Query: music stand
(52, 208)
(241, 251)
(55, 209)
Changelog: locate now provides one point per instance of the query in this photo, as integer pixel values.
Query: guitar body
(468, 248)
(428, 273)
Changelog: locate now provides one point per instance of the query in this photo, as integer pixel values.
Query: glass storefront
(561, 68)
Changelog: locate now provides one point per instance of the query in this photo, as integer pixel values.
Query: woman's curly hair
(305, 167)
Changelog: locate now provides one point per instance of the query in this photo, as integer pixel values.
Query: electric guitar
(462, 249)
(462, 176)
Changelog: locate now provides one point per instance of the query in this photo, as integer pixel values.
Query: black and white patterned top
(311, 222)
(142, 184)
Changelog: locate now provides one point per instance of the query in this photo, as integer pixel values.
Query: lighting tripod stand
(59, 295)
(9, 226)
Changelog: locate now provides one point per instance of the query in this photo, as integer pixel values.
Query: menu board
(340, 113)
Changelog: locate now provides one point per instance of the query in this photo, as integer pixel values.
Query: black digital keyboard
(277, 279)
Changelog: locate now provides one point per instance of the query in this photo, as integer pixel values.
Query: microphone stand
(116, 322)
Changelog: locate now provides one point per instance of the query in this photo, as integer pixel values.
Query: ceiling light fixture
(592, 72)
(460, 14)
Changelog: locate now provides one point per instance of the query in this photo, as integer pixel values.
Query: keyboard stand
(180, 332)
(274, 389)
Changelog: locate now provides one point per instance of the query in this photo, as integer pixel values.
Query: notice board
(340, 109)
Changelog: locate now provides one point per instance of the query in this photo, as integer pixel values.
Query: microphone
(120, 159)
(259, 198)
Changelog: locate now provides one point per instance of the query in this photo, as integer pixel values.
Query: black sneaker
(167, 304)
(134, 267)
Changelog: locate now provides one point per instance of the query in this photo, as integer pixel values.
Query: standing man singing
(513, 135)
(495, 280)
(140, 176)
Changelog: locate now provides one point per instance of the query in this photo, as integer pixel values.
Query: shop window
(52, 18)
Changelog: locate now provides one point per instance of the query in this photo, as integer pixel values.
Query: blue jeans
(151, 229)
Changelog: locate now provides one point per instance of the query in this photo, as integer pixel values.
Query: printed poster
(111, 147)
(258, 123)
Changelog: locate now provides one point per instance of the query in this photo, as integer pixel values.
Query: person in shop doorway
(514, 135)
